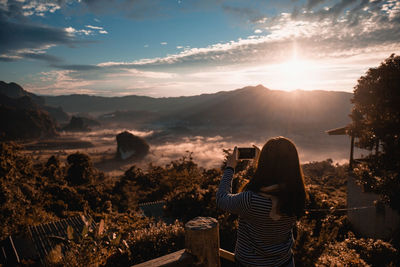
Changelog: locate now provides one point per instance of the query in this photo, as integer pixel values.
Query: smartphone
(246, 153)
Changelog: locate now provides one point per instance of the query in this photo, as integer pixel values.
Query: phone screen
(246, 153)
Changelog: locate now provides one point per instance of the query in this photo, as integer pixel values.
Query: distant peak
(256, 88)
(11, 84)
(260, 86)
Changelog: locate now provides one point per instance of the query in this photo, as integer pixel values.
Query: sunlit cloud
(61, 82)
(207, 151)
(38, 8)
(72, 32)
(313, 39)
(100, 29)
(94, 27)
(301, 49)
(91, 30)
(146, 74)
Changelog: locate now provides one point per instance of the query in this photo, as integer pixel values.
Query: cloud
(313, 30)
(22, 38)
(38, 8)
(145, 74)
(72, 32)
(94, 27)
(313, 3)
(135, 9)
(41, 56)
(246, 12)
(60, 82)
(100, 29)
(325, 33)
(30, 36)
(77, 67)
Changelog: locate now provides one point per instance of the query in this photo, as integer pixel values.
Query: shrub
(80, 170)
(359, 252)
(156, 240)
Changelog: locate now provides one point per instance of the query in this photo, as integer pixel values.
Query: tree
(80, 170)
(376, 123)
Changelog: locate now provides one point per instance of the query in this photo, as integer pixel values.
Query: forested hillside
(32, 193)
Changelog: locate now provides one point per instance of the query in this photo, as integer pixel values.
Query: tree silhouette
(80, 169)
(376, 123)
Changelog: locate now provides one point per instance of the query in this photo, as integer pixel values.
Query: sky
(164, 48)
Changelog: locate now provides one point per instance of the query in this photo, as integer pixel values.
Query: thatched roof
(338, 131)
(43, 239)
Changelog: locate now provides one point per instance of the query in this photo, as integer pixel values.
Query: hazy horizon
(197, 94)
(207, 151)
(180, 48)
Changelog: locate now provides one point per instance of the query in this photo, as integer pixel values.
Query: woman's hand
(258, 152)
(231, 160)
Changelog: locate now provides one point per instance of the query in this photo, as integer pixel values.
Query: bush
(156, 240)
(359, 252)
(27, 196)
(80, 170)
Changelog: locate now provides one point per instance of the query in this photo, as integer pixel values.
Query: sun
(295, 74)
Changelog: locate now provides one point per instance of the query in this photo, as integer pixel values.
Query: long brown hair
(279, 164)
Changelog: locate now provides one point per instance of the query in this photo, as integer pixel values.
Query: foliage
(375, 178)
(80, 169)
(359, 252)
(37, 192)
(376, 123)
(376, 98)
(156, 240)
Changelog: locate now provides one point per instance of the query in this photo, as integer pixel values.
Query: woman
(268, 206)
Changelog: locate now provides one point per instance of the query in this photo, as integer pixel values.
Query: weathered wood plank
(227, 255)
(179, 258)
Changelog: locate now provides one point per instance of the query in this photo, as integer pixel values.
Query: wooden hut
(367, 213)
(40, 240)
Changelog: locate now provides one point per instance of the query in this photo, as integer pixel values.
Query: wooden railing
(201, 247)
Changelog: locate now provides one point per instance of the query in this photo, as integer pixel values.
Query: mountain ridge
(251, 110)
(76, 103)
(22, 119)
(15, 91)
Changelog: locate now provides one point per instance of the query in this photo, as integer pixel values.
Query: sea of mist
(207, 151)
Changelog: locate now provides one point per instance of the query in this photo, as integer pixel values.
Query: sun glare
(296, 74)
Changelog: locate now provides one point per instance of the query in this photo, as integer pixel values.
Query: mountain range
(15, 91)
(21, 119)
(247, 112)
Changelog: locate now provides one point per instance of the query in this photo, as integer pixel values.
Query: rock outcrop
(80, 124)
(131, 146)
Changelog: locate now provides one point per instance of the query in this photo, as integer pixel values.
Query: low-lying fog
(207, 151)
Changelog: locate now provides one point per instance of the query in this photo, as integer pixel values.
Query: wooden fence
(377, 219)
(201, 247)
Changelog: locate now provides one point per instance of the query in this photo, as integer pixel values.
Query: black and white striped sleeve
(234, 203)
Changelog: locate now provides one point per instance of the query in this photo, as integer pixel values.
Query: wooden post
(202, 241)
(351, 153)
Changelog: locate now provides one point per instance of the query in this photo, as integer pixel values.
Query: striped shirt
(261, 240)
